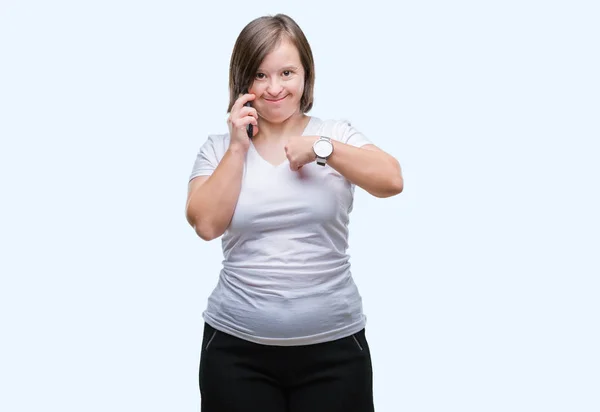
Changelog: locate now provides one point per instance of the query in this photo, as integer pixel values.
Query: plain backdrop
(480, 281)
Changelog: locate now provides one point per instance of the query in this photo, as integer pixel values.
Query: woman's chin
(276, 118)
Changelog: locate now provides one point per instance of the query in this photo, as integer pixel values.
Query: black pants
(241, 376)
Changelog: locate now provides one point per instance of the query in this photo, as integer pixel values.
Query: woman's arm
(368, 167)
(212, 199)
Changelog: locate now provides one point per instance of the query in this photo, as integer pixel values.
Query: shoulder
(334, 128)
(210, 154)
(216, 143)
(218, 139)
(337, 129)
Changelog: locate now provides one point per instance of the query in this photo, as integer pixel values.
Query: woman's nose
(274, 87)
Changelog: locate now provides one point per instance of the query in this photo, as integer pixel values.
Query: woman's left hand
(299, 151)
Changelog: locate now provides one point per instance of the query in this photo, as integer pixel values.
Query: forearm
(375, 171)
(210, 206)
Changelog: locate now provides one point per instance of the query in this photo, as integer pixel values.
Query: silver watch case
(323, 149)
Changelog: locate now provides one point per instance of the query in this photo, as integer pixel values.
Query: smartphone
(249, 128)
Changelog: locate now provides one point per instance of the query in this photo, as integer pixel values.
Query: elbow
(206, 235)
(397, 186)
(393, 188)
(205, 231)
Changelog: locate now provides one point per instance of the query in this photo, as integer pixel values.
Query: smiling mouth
(275, 101)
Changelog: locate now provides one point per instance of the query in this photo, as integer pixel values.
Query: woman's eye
(287, 73)
(260, 75)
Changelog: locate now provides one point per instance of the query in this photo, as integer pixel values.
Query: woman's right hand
(239, 118)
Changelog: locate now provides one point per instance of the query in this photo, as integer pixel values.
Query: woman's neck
(293, 126)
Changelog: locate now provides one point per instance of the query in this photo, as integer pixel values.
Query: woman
(284, 328)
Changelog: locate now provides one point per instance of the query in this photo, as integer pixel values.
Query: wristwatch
(323, 149)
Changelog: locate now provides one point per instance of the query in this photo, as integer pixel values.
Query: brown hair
(258, 39)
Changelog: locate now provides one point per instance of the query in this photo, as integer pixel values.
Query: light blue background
(480, 281)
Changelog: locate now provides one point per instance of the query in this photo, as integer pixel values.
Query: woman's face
(279, 83)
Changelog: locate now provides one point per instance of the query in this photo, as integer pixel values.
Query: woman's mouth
(275, 100)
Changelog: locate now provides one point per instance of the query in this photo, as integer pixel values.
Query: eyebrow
(260, 69)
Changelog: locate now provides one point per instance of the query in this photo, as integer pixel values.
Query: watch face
(323, 148)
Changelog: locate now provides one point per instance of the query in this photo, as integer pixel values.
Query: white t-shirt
(286, 276)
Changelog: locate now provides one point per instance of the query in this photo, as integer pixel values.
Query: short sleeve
(349, 135)
(209, 156)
